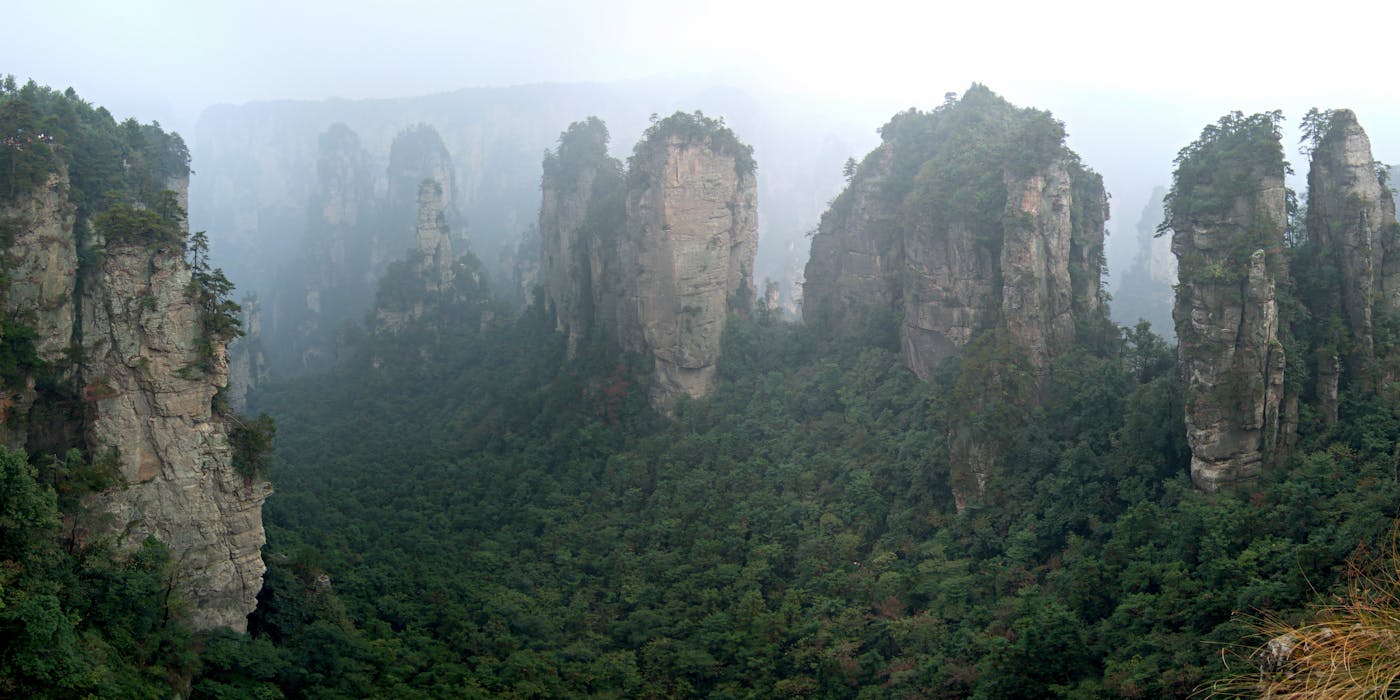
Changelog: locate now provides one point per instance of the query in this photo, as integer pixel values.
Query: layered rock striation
(1227, 213)
(657, 261)
(132, 364)
(687, 252)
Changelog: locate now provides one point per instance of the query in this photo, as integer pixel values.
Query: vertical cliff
(1352, 227)
(970, 217)
(969, 226)
(117, 346)
(247, 361)
(150, 379)
(686, 253)
(653, 261)
(430, 281)
(331, 279)
(582, 213)
(1227, 213)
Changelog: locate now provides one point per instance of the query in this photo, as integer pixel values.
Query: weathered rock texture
(656, 268)
(247, 363)
(1351, 221)
(582, 213)
(143, 393)
(691, 235)
(1227, 215)
(958, 227)
(426, 281)
(969, 220)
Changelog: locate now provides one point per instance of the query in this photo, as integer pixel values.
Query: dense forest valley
(619, 465)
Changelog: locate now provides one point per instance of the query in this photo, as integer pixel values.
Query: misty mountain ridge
(542, 429)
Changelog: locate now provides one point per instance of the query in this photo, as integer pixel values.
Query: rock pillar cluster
(656, 260)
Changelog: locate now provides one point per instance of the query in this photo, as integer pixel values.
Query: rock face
(658, 262)
(1351, 219)
(969, 222)
(145, 389)
(141, 331)
(1227, 215)
(427, 280)
(247, 363)
(960, 231)
(433, 237)
(43, 268)
(691, 235)
(581, 213)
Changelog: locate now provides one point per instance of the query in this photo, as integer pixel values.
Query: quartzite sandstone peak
(659, 265)
(969, 221)
(1227, 213)
(970, 217)
(1351, 219)
(144, 393)
(687, 250)
(581, 215)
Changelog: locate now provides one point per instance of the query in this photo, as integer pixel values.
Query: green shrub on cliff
(693, 128)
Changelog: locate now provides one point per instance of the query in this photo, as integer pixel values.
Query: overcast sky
(1133, 81)
(168, 60)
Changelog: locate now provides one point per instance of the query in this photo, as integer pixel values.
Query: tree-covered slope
(491, 524)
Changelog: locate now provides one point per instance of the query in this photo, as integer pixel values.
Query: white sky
(1133, 81)
(172, 58)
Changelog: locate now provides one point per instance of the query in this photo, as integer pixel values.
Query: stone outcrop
(582, 210)
(953, 225)
(657, 267)
(969, 222)
(247, 362)
(691, 235)
(857, 251)
(42, 268)
(1227, 214)
(152, 395)
(417, 155)
(426, 281)
(1351, 220)
(143, 388)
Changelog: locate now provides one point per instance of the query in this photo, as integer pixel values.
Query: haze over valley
(636, 349)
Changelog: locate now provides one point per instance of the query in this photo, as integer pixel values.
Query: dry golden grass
(1350, 649)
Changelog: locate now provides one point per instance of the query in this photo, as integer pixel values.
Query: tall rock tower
(969, 226)
(971, 217)
(687, 250)
(128, 359)
(1351, 224)
(1227, 213)
(582, 214)
(657, 259)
